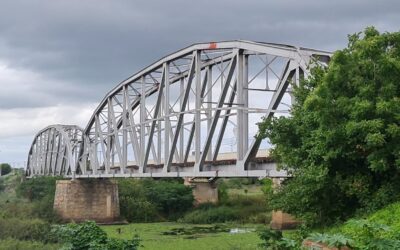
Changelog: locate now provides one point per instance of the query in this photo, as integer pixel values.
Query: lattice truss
(192, 113)
(55, 151)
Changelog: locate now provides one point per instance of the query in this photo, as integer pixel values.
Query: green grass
(11, 181)
(153, 238)
(389, 216)
(251, 190)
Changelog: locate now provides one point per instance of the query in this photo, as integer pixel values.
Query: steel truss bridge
(171, 118)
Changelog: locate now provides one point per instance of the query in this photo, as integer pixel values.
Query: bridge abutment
(203, 189)
(87, 199)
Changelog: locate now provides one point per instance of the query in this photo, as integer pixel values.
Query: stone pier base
(87, 199)
(204, 191)
(281, 220)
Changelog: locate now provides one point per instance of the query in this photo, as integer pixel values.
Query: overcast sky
(59, 58)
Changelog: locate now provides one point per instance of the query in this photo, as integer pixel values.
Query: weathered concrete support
(89, 199)
(204, 190)
(281, 220)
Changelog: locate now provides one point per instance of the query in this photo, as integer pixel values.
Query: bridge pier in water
(204, 190)
(87, 199)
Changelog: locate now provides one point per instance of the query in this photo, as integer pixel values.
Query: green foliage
(5, 168)
(37, 188)
(267, 187)
(25, 229)
(274, 240)
(171, 198)
(13, 244)
(88, 235)
(371, 235)
(332, 240)
(148, 200)
(178, 236)
(341, 140)
(222, 192)
(2, 185)
(40, 191)
(134, 205)
(211, 215)
(240, 208)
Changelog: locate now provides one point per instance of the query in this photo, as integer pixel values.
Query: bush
(211, 215)
(149, 200)
(37, 188)
(43, 209)
(5, 168)
(260, 218)
(274, 240)
(24, 229)
(90, 236)
(2, 185)
(16, 209)
(13, 244)
(171, 198)
(237, 207)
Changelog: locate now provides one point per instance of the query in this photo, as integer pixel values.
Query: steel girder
(173, 117)
(55, 151)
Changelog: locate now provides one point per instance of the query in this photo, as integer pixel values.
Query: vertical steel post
(245, 100)
(240, 101)
(182, 131)
(209, 106)
(125, 107)
(167, 121)
(197, 129)
(142, 124)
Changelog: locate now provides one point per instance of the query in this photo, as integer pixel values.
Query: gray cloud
(72, 52)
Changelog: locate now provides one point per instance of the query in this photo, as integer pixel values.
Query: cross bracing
(172, 118)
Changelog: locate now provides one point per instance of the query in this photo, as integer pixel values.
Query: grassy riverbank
(178, 236)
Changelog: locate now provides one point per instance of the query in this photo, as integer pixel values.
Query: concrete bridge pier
(281, 220)
(87, 199)
(204, 190)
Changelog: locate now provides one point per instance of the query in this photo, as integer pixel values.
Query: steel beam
(217, 113)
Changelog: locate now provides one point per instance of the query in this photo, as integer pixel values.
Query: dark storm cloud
(83, 48)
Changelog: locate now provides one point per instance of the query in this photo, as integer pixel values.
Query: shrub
(37, 188)
(90, 236)
(274, 240)
(13, 244)
(43, 209)
(17, 209)
(5, 168)
(332, 240)
(371, 235)
(171, 198)
(150, 200)
(2, 185)
(260, 218)
(211, 215)
(24, 229)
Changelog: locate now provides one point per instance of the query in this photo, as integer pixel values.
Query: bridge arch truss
(55, 151)
(193, 113)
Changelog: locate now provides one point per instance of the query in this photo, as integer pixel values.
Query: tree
(5, 168)
(341, 142)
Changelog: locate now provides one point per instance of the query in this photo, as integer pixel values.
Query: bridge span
(171, 118)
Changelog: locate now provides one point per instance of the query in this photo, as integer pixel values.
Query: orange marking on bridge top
(212, 46)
